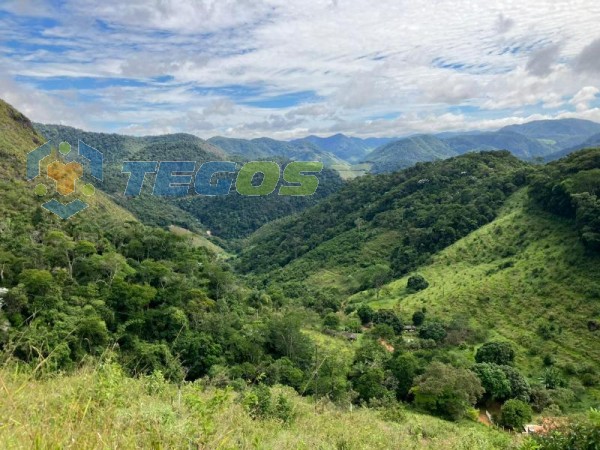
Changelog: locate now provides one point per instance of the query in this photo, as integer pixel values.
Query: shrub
(500, 353)
(331, 321)
(388, 317)
(417, 283)
(434, 331)
(365, 313)
(515, 414)
(418, 318)
(447, 391)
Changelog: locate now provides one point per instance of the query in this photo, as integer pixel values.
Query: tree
(417, 283)
(369, 385)
(36, 282)
(500, 353)
(553, 378)
(404, 368)
(515, 414)
(418, 318)
(433, 330)
(494, 380)
(519, 387)
(447, 391)
(388, 317)
(365, 313)
(331, 321)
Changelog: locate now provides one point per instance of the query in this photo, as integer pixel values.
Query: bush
(434, 331)
(447, 391)
(553, 378)
(418, 318)
(515, 414)
(331, 321)
(365, 313)
(500, 353)
(388, 317)
(417, 283)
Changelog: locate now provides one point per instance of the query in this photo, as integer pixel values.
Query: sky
(290, 68)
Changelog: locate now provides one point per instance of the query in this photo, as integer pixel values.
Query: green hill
(265, 148)
(407, 152)
(350, 149)
(519, 145)
(116, 334)
(560, 134)
(228, 217)
(410, 214)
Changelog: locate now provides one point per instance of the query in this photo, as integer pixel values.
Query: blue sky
(287, 69)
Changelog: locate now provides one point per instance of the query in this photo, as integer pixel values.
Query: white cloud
(582, 99)
(374, 68)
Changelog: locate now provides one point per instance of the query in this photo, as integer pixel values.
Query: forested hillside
(233, 216)
(403, 307)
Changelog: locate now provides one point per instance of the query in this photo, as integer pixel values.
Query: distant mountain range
(350, 149)
(544, 139)
(351, 156)
(264, 148)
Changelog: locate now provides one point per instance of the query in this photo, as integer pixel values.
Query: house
(410, 328)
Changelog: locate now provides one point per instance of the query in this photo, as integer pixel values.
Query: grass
(98, 407)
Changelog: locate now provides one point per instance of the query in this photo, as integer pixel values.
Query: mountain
(418, 210)
(519, 145)
(560, 134)
(233, 216)
(265, 148)
(494, 261)
(500, 250)
(406, 152)
(591, 142)
(350, 149)
(548, 139)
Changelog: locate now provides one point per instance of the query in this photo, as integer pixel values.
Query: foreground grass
(101, 408)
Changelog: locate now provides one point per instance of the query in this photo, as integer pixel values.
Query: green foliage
(259, 403)
(404, 367)
(365, 313)
(418, 318)
(434, 331)
(331, 321)
(494, 380)
(500, 353)
(447, 391)
(388, 317)
(417, 283)
(514, 414)
(553, 378)
(570, 188)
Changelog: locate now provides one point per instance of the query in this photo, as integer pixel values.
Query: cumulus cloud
(285, 67)
(589, 58)
(540, 62)
(582, 99)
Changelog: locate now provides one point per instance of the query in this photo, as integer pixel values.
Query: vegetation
(515, 414)
(116, 333)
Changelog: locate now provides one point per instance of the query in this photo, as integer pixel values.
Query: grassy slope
(98, 408)
(17, 138)
(549, 277)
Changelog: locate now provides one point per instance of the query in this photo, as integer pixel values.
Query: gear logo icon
(65, 171)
